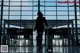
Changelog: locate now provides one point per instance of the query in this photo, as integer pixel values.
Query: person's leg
(39, 39)
(41, 34)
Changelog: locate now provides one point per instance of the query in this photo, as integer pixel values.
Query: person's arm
(45, 22)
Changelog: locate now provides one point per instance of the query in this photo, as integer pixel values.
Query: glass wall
(27, 10)
(20, 10)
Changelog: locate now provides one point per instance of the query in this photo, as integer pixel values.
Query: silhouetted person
(40, 22)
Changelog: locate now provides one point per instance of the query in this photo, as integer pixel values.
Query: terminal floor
(34, 50)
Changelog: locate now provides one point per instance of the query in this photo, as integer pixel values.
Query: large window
(27, 9)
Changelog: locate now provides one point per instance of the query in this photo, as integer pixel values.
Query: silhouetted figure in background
(40, 22)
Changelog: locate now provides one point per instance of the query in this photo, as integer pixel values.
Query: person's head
(39, 13)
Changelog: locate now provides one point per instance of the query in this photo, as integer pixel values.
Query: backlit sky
(50, 13)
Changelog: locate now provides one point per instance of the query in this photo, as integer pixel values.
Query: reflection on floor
(34, 50)
(29, 49)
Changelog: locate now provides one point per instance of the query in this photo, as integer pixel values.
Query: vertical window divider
(76, 30)
(20, 19)
(56, 14)
(9, 14)
(44, 8)
(44, 30)
(8, 21)
(79, 7)
(20, 13)
(32, 20)
(2, 5)
(68, 22)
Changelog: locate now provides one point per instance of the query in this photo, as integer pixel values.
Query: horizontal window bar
(43, 10)
(37, 6)
(36, 15)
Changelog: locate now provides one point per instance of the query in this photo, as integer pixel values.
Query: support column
(1, 15)
(72, 34)
(76, 31)
(4, 35)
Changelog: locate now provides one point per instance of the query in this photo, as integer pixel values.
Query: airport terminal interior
(18, 19)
